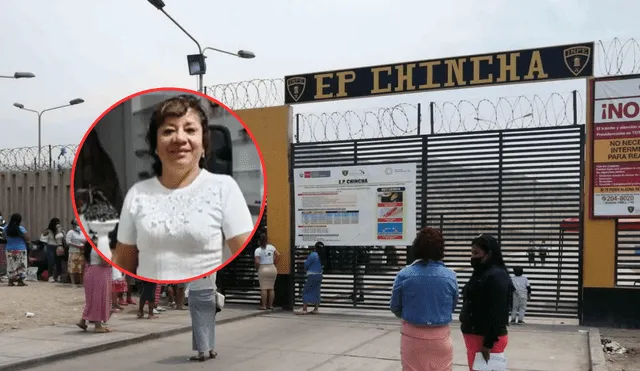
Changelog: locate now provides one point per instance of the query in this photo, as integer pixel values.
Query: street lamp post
(72, 102)
(196, 62)
(19, 75)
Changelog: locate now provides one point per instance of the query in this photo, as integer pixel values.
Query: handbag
(219, 301)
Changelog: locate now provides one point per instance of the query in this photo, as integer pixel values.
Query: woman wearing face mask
(486, 297)
(75, 241)
(172, 226)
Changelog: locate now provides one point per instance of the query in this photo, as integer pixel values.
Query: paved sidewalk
(279, 341)
(36, 346)
(327, 342)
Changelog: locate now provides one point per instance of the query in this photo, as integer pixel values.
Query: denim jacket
(425, 294)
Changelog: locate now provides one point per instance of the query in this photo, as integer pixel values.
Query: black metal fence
(238, 281)
(627, 253)
(521, 185)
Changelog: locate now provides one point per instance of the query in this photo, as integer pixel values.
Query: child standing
(521, 295)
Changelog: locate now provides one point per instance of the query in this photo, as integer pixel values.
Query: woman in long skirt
(202, 308)
(311, 290)
(97, 291)
(16, 250)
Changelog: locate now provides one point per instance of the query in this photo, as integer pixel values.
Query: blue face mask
(76, 228)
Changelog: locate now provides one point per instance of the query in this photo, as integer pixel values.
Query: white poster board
(366, 205)
(616, 148)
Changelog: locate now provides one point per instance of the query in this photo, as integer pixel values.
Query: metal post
(39, 138)
(575, 106)
(297, 128)
(500, 170)
(432, 124)
(419, 118)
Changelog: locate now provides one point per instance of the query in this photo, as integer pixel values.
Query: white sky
(103, 51)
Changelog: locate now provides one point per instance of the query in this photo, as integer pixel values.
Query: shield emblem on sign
(576, 58)
(345, 172)
(630, 209)
(295, 87)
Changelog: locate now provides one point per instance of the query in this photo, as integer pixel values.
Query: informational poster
(366, 205)
(616, 147)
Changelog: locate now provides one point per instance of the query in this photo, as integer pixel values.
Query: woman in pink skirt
(424, 296)
(97, 291)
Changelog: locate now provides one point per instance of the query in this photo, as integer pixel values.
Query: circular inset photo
(168, 186)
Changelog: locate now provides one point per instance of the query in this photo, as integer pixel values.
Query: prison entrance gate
(517, 184)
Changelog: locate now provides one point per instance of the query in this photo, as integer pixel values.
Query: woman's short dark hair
(173, 108)
(428, 244)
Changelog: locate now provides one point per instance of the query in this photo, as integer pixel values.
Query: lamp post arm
(183, 30)
(219, 51)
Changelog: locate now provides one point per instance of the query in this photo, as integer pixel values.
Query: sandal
(212, 355)
(196, 359)
(102, 330)
(83, 327)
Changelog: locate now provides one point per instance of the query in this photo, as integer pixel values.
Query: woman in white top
(75, 241)
(171, 226)
(266, 257)
(52, 237)
(202, 308)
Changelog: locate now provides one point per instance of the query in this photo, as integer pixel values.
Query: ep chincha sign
(518, 66)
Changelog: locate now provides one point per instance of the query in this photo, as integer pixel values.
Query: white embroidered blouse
(179, 232)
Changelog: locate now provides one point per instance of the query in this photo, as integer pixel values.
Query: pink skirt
(474, 344)
(426, 348)
(97, 293)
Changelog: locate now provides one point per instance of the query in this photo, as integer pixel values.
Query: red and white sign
(615, 177)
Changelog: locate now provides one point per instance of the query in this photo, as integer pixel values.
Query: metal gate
(521, 185)
(238, 281)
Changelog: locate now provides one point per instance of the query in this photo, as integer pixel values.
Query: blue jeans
(54, 262)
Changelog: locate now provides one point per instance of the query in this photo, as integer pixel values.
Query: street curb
(596, 354)
(97, 348)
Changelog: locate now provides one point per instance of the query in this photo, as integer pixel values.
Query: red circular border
(171, 89)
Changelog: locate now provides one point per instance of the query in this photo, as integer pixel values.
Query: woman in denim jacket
(424, 296)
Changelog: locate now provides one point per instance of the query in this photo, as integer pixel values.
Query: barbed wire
(257, 93)
(557, 109)
(612, 57)
(52, 157)
(617, 57)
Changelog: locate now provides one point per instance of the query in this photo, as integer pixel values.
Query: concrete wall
(38, 197)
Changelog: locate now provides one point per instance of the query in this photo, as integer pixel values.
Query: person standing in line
(202, 308)
(265, 258)
(16, 250)
(148, 296)
(521, 295)
(53, 237)
(531, 253)
(312, 285)
(97, 290)
(75, 240)
(424, 296)
(485, 300)
(542, 252)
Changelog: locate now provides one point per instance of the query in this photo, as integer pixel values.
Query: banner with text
(510, 67)
(368, 205)
(615, 177)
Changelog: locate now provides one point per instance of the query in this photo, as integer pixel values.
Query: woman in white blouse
(53, 237)
(172, 226)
